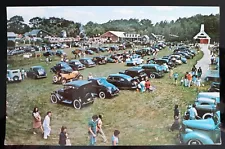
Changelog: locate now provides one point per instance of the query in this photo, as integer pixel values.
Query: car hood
(206, 124)
(109, 85)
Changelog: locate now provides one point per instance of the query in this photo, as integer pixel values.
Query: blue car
(201, 132)
(134, 60)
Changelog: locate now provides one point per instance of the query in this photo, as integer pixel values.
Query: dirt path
(205, 61)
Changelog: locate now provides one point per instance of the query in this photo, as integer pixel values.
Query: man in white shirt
(193, 112)
(99, 128)
(46, 125)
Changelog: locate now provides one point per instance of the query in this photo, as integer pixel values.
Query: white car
(134, 60)
(14, 75)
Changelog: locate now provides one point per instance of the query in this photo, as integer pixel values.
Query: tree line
(184, 28)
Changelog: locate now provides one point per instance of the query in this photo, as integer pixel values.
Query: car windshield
(89, 60)
(77, 62)
(216, 119)
(102, 81)
(38, 69)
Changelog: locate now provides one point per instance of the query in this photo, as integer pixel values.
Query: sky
(102, 14)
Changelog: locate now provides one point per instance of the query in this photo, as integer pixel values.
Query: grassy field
(142, 118)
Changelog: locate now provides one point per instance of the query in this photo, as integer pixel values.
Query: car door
(30, 73)
(68, 92)
(95, 86)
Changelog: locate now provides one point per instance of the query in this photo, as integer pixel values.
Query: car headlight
(109, 89)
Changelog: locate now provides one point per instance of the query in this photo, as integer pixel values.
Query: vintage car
(13, 75)
(36, 72)
(99, 60)
(87, 62)
(153, 70)
(134, 60)
(60, 53)
(61, 66)
(144, 51)
(102, 49)
(122, 81)
(201, 132)
(90, 52)
(49, 53)
(213, 75)
(214, 87)
(135, 72)
(185, 50)
(178, 59)
(96, 50)
(161, 61)
(110, 60)
(66, 76)
(114, 48)
(103, 89)
(164, 66)
(122, 47)
(76, 65)
(78, 93)
(211, 95)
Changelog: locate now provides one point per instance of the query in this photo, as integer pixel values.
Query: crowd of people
(94, 129)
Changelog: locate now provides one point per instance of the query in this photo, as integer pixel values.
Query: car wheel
(76, 104)
(15, 78)
(63, 81)
(54, 99)
(207, 115)
(55, 79)
(102, 95)
(194, 142)
(152, 76)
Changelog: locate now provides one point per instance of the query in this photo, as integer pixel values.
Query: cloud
(124, 11)
(165, 8)
(141, 12)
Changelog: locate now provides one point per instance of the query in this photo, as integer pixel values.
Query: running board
(67, 101)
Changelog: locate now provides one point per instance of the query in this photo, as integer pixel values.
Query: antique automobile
(99, 60)
(110, 60)
(122, 81)
(164, 66)
(87, 62)
(114, 48)
(122, 47)
(96, 50)
(101, 49)
(77, 93)
(153, 70)
(66, 76)
(76, 65)
(201, 132)
(77, 50)
(61, 66)
(161, 61)
(90, 52)
(213, 75)
(103, 89)
(36, 72)
(214, 87)
(178, 59)
(49, 53)
(144, 51)
(183, 54)
(134, 60)
(60, 53)
(135, 72)
(211, 95)
(13, 75)
(185, 50)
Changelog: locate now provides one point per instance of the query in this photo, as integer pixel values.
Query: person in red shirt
(147, 85)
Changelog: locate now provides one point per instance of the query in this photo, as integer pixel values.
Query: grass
(142, 118)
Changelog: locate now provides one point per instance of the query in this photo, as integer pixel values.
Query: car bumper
(42, 76)
(81, 68)
(91, 66)
(114, 93)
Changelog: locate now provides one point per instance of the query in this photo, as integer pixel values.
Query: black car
(153, 70)
(76, 65)
(102, 49)
(122, 81)
(161, 61)
(99, 60)
(36, 72)
(184, 54)
(215, 87)
(49, 53)
(90, 52)
(61, 66)
(135, 72)
(103, 88)
(78, 93)
(96, 50)
(144, 51)
(60, 53)
(87, 62)
(114, 48)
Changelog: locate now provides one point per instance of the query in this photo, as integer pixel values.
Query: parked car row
(205, 130)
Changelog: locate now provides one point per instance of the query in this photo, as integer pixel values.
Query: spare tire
(55, 79)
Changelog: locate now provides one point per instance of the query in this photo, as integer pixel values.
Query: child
(115, 138)
(182, 81)
(175, 75)
(194, 78)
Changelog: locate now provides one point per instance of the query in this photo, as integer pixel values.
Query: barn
(202, 37)
(114, 36)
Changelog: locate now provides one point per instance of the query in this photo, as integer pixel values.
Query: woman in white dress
(46, 125)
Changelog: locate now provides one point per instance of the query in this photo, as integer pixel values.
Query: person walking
(189, 77)
(63, 137)
(99, 128)
(194, 79)
(193, 112)
(175, 75)
(36, 120)
(22, 73)
(171, 73)
(115, 138)
(182, 81)
(194, 70)
(198, 82)
(186, 80)
(199, 72)
(46, 125)
(92, 130)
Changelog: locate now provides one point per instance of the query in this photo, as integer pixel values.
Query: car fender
(197, 136)
(57, 95)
